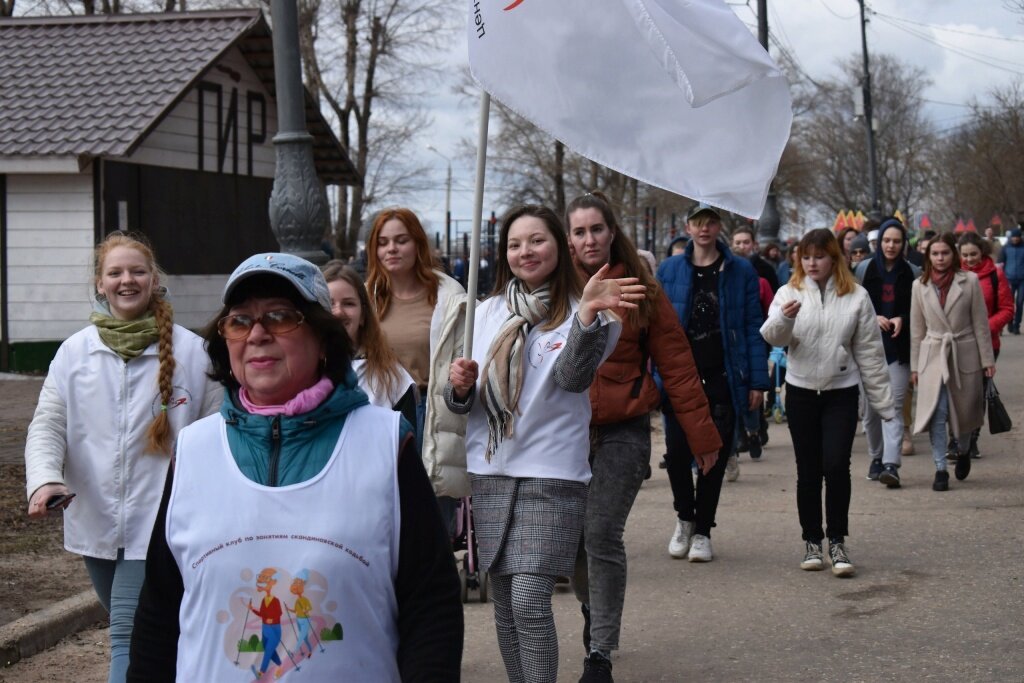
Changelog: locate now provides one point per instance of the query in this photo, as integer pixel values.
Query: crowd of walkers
(323, 428)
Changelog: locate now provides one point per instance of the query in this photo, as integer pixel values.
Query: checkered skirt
(528, 525)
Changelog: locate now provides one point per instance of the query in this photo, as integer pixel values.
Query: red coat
(611, 396)
(1000, 308)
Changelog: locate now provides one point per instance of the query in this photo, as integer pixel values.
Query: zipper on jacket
(275, 450)
(122, 542)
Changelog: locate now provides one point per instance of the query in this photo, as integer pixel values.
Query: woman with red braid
(112, 403)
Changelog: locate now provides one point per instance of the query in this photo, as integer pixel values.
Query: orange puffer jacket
(612, 396)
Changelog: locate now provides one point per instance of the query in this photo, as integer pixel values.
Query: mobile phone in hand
(59, 501)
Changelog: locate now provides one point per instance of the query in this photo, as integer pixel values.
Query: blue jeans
(117, 584)
(937, 432)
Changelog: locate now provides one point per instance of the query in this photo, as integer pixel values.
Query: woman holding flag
(538, 341)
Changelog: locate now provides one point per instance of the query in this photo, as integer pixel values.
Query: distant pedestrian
(1012, 259)
(827, 321)
(950, 353)
(115, 397)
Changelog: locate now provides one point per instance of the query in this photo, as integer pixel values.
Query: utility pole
(447, 204)
(876, 208)
(769, 223)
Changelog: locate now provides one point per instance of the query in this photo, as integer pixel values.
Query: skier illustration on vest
(269, 613)
(302, 611)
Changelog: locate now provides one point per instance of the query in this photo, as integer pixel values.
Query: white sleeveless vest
(332, 540)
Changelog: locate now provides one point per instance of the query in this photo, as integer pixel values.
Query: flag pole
(478, 210)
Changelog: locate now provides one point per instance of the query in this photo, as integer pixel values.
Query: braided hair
(158, 436)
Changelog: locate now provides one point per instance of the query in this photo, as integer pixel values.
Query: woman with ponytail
(115, 397)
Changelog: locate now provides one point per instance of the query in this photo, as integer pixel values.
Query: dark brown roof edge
(137, 17)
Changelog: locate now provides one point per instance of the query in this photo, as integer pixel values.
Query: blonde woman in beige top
(422, 313)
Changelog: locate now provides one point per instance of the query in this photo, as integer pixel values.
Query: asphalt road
(937, 595)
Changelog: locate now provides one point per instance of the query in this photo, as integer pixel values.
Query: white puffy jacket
(89, 433)
(444, 432)
(834, 342)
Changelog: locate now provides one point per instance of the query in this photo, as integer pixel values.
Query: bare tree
(383, 51)
(7, 8)
(830, 143)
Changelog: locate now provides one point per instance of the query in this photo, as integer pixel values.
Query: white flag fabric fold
(678, 94)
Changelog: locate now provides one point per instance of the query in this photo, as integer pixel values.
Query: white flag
(676, 93)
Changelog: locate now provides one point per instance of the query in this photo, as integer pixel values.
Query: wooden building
(158, 123)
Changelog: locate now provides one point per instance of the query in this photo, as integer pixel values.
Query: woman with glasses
(115, 397)
(296, 477)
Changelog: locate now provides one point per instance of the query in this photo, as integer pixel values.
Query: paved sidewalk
(937, 596)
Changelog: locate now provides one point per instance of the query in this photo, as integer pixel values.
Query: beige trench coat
(950, 346)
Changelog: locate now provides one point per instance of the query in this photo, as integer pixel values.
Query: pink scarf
(302, 402)
(942, 281)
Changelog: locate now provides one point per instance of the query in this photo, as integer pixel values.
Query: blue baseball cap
(307, 279)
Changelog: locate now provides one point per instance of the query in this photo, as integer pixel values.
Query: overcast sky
(966, 47)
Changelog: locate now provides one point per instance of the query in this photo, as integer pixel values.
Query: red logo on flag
(515, 3)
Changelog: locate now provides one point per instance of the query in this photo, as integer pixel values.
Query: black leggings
(822, 424)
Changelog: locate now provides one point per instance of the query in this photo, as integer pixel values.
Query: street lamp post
(876, 208)
(769, 223)
(447, 204)
(298, 204)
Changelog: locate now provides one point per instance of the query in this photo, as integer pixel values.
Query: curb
(40, 630)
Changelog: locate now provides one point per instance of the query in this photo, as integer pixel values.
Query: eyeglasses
(239, 325)
(859, 252)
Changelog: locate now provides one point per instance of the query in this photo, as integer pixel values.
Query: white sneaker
(680, 541)
(732, 468)
(700, 549)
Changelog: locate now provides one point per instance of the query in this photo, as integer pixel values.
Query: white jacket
(834, 342)
(89, 432)
(444, 432)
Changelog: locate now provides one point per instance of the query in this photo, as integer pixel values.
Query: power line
(944, 28)
(959, 51)
(836, 14)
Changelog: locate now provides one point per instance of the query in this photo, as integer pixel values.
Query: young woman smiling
(621, 399)
(538, 340)
(830, 326)
(109, 411)
(950, 354)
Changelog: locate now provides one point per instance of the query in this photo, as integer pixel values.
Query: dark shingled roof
(92, 86)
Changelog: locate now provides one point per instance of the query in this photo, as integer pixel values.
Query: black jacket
(872, 281)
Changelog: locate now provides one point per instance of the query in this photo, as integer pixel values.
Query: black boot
(963, 466)
(585, 608)
(941, 482)
(596, 669)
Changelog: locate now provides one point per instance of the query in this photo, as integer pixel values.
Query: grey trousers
(619, 456)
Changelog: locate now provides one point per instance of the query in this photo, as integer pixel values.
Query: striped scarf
(502, 378)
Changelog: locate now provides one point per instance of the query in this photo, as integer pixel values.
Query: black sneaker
(763, 431)
(813, 558)
(742, 443)
(890, 476)
(952, 449)
(941, 482)
(754, 444)
(596, 669)
(841, 565)
(875, 469)
(663, 465)
(963, 466)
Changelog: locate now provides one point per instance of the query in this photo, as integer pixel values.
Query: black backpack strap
(994, 277)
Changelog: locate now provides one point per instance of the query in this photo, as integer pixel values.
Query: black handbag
(998, 419)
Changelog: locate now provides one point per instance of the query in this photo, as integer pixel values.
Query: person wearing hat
(715, 295)
(1012, 258)
(297, 476)
(860, 249)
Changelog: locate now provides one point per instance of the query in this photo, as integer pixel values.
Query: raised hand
(601, 294)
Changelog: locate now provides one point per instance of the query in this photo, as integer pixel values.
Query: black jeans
(699, 508)
(822, 424)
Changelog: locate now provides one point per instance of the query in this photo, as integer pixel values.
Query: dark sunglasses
(239, 325)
